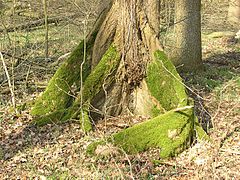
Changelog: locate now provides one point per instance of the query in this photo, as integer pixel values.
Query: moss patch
(85, 121)
(102, 74)
(52, 117)
(47, 107)
(93, 146)
(200, 133)
(56, 96)
(164, 82)
(171, 132)
(155, 111)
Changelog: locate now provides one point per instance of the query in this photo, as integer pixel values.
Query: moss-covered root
(86, 124)
(56, 96)
(171, 132)
(53, 117)
(103, 73)
(201, 135)
(164, 83)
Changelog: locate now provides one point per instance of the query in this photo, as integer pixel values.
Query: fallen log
(36, 23)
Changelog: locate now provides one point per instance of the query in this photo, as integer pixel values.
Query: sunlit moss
(165, 83)
(61, 110)
(56, 96)
(103, 73)
(170, 132)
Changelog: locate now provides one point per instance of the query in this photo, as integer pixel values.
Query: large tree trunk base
(161, 96)
(171, 122)
(130, 74)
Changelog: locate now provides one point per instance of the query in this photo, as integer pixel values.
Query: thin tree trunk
(46, 27)
(187, 53)
(11, 87)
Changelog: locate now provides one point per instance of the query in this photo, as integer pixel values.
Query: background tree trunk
(45, 8)
(234, 11)
(187, 53)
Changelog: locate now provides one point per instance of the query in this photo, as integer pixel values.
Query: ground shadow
(218, 70)
(30, 136)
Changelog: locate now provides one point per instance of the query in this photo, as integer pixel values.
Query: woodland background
(57, 151)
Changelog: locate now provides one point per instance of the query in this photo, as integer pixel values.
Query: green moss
(85, 121)
(93, 146)
(201, 135)
(56, 96)
(1, 153)
(165, 83)
(155, 111)
(171, 132)
(53, 117)
(52, 108)
(102, 74)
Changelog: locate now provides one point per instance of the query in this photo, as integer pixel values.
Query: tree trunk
(45, 9)
(187, 53)
(234, 11)
(125, 72)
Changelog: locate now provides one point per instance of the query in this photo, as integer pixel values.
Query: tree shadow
(30, 136)
(219, 69)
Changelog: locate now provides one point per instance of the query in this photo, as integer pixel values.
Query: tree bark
(129, 74)
(234, 12)
(187, 53)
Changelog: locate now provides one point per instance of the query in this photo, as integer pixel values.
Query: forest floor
(58, 151)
